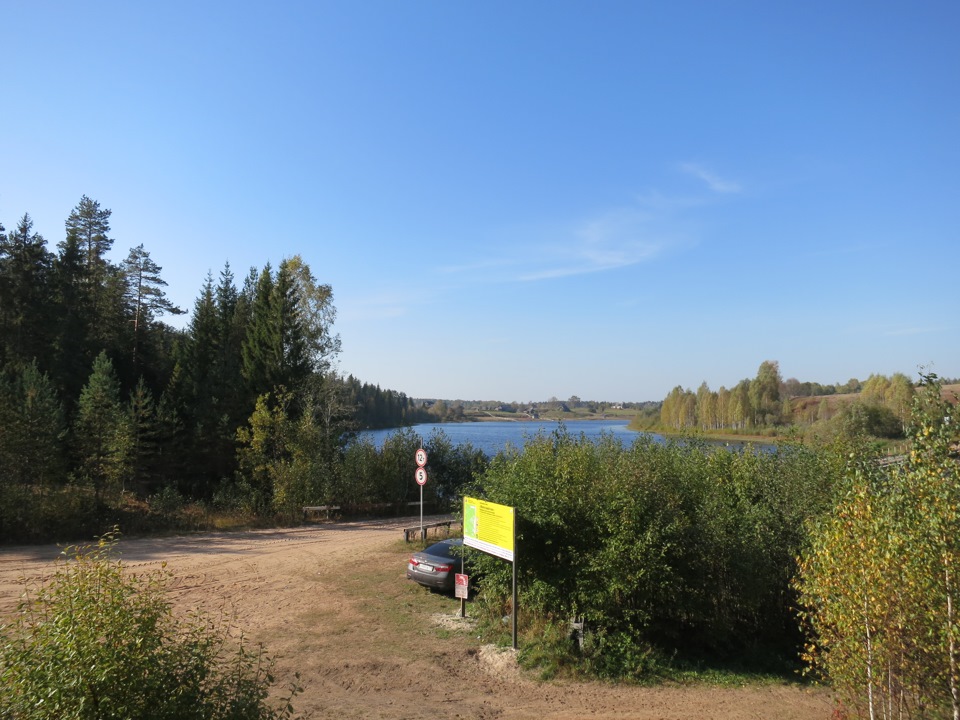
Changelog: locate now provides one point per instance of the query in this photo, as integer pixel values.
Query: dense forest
(103, 403)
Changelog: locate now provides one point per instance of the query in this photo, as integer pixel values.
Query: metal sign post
(492, 528)
(515, 608)
(462, 589)
(420, 475)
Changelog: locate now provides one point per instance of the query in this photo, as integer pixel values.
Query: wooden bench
(314, 510)
(414, 531)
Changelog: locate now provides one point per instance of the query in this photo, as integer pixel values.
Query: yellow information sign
(489, 527)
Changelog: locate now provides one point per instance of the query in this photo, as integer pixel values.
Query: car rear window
(443, 549)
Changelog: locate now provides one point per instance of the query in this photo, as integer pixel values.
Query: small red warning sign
(461, 586)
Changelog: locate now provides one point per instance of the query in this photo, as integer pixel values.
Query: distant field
(574, 414)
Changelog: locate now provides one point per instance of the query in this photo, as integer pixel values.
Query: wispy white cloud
(614, 240)
(638, 232)
(716, 183)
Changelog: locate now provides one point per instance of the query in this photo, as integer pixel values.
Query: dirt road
(331, 602)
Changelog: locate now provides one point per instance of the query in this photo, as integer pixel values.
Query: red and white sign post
(462, 591)
(420, 475)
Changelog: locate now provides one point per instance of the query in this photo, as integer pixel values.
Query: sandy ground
(400, 653)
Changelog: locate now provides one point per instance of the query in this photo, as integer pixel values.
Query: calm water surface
(494, 436)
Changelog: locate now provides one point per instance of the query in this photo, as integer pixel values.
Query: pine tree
(101, 285)
(144, 293)
(89, 226)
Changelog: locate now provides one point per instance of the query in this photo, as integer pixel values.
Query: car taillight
(414, 562)
(443, 568)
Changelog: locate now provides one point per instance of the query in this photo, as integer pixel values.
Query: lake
(493, 436)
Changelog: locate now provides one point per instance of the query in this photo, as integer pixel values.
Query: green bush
(677, 550)
(96, 642)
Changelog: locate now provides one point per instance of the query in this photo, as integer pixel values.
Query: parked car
(436, 566)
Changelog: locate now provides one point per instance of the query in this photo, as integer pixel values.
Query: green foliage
(860, 419)
(452, 467)
(767, 405)
(264, 454)
(287, 460)
(144, 294)
(660, 549)
(102, 433)
(32, 429)
(25, 309)
(376, 408)
(32, 460)
(385, 474)
(623, 654)
(125, 406)
(98, 642)
(167, 409)
(879, 580)
(287, 339)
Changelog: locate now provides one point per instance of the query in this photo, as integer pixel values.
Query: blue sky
(519, 200)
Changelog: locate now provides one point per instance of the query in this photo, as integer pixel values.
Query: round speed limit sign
(421, 457)
(421, 476)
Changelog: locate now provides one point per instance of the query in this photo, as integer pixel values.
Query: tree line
(766, 401)
(103, 404)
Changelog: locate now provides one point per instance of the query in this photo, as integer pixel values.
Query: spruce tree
(261, 344)
(232, 317)
(199, 382)
(144, 434)
(295, 361)
(25, 301)
(72, 351)
(102, 438)
(42, 429)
